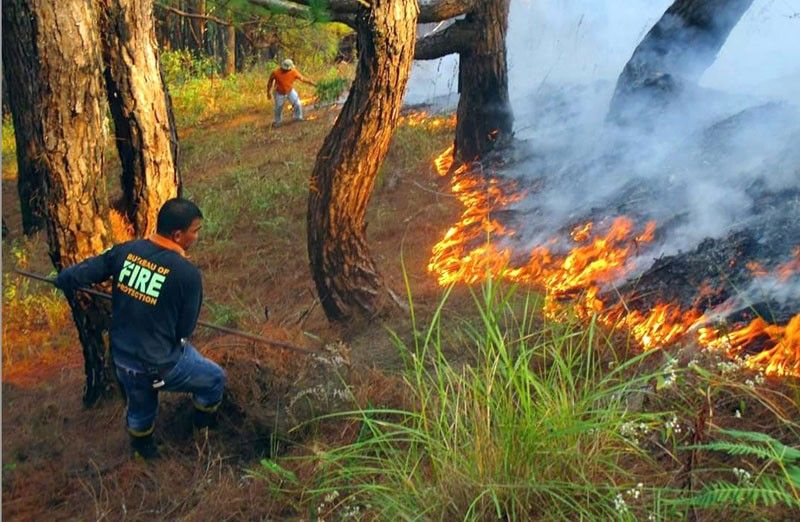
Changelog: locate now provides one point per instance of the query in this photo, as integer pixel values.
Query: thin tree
(18, 37)
(62, 93)
(674, 54)
(198, 24)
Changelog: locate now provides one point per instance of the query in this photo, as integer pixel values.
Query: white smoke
(433, 82)
(697, 170)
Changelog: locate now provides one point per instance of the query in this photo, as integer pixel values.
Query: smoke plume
(702, 168)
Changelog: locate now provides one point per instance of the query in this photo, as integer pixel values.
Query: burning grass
(575, 274)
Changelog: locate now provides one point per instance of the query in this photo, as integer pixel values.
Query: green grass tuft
(532, 428)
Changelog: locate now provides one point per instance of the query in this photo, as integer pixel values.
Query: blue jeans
(193, 373)
(280, 101)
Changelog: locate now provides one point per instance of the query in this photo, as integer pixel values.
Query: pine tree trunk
(484, 112)
(198, 25)
(676, 52)
(20, 70)
(68, 106)
(344, 174)
(139, 106)
(230, 50)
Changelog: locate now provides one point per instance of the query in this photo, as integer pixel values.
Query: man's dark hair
(176, 214)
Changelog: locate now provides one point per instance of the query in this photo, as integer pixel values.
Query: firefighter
(282, 80)
(156, 299)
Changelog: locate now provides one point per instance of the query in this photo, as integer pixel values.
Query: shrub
(328, 91)
(182, 65)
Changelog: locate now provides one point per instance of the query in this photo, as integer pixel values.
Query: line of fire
(581, 277)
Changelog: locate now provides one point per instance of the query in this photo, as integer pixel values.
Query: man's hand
(269, 95)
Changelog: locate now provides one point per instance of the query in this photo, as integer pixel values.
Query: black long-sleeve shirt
(156, 299)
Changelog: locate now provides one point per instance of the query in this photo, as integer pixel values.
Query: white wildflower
(727, 367)
(635, 492)
(738, 414)
(744, 476)
(634, 431)
(670, 376)
(620, 504)
(673, 425)
(351, 512)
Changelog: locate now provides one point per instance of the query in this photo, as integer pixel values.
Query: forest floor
(61, 461)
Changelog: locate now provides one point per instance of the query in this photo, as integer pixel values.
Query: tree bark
(143, 123)
(230, 50)
(344, 173)
(675, 52)
(20, 72)
(484, 116)
(456, 38)
(68, 105)
(438, 10)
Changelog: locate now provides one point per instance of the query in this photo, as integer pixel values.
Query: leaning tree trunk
(484, 112)
(140, 107)
(20, 82)
(344, 174)
(67, 102)
(676, 52)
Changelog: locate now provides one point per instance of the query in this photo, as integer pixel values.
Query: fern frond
(786, 454)
(767, 493)
(753, 436)
(738, 449)
(794, 474)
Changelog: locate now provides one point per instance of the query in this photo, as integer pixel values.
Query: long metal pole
(211, 326)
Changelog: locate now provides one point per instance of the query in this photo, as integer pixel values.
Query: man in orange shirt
(282, 80)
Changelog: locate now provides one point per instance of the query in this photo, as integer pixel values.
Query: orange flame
(423, 119)
(784, 357)
(756, 268)
(471, 251)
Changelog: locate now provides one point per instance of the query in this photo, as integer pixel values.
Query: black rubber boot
(144, 447)
(204, 419)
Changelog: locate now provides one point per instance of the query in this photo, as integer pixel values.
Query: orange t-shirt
(284, 79)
